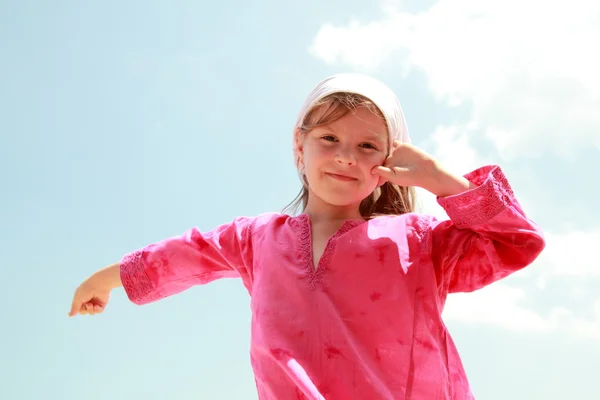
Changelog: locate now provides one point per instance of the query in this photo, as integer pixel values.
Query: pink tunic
(365, 324)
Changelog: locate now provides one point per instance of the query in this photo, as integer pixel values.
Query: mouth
(340, 177)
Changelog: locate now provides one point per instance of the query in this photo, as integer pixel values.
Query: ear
(298, 143)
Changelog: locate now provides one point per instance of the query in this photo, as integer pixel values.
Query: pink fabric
(367, 323)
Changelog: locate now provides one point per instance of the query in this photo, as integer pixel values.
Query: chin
(342, 196)
(343, 202)
(343, 199)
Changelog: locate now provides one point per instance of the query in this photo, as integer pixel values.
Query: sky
(123, 123)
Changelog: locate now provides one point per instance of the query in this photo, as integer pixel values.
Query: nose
(345, 157)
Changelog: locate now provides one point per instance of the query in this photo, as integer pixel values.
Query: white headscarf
(381, 95)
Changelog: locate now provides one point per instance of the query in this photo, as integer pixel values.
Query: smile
(343, 178)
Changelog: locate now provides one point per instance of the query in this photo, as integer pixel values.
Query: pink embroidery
(315, 273)
(478, 205)
(136, 283)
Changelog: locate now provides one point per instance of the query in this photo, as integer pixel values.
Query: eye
(329, 138)
(368, 146)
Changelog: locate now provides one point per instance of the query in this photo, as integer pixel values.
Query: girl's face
(338, 159)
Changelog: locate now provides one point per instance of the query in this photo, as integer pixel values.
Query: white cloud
(571, 254)
(340, 44)
(527, 67)
(451, 146)
(584, 327)
(499, 305)
(495, 305)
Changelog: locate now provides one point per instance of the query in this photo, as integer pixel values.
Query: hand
(92, 296)
(89, 300)
(407, 165)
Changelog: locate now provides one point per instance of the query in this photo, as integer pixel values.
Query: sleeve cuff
(136, 283)
(492, 195)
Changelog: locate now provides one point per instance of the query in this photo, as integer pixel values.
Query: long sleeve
(173, 265)
(487, 237)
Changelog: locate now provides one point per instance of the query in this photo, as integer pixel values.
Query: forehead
(361, 121)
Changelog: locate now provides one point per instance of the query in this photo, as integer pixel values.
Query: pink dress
(365, 324)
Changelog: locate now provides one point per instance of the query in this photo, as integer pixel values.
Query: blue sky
(122, 123)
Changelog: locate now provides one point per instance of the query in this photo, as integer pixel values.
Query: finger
(84, 309)
(385, 173)
(395, 144)
(393, 174)
(95, 309)
(75, 306)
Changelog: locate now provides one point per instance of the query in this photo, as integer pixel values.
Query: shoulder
(410, 230)
(408, 222)
(265, 221)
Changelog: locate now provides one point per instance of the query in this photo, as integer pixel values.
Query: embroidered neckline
(315, 273)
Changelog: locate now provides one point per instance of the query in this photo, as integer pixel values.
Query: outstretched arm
(171, 266)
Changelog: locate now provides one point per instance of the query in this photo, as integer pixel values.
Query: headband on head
(381, 95)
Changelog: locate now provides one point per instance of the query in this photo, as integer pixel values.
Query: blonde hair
(389, 199)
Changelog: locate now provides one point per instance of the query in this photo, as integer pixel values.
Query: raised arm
(487, 237)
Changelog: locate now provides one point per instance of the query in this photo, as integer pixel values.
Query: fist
(89, 299)
(407, 165)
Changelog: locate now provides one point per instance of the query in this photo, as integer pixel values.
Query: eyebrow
(375, 136)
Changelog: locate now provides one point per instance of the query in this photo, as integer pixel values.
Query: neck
(320, 211)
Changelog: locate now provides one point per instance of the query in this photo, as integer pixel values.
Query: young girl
(347, 296)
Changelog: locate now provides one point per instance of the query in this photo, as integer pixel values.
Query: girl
(347, 296)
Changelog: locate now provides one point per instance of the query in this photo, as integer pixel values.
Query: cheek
(314, 154)
(373, 160)
(369, 162)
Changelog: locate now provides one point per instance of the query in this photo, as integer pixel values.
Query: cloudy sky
(122, 123)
